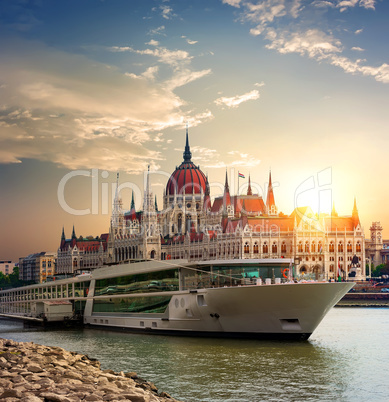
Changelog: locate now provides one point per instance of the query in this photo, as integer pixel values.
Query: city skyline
(298, 88)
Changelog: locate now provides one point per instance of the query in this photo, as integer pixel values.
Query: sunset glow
(92, 88)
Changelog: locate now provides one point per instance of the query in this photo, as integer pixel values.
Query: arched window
(283, 247)
(274, 248)
(320, 247)
(358, 247)
(340, 247)
(255, 248)
(152, 254)
(179, 223)
(307, 247)
(246, 248)
(331, 247)
(265, 248)
(188, 222)
(300, 247)
(332, 268)
(313, 247)
(349, 247)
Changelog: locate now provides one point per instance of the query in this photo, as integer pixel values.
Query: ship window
(201, 301)
(160, 281)
(144, 305)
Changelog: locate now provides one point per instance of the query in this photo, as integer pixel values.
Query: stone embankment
(32, 373)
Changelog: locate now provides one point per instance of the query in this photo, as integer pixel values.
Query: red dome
(187, 178)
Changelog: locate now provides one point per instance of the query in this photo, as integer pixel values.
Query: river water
(346, 359)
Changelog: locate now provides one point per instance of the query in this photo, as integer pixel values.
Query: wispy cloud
(235, 101)
(167, 12)
(189, 41)
(312, 42)
(78, 113)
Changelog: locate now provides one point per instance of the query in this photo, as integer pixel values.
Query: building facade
(7, 266)
(77, 255)
(37, 267)
(377, 249)
(192, 227)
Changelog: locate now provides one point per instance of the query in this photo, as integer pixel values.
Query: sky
(91, 88)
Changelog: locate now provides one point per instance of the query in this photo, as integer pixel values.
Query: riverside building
(243, 226)
(76, 255)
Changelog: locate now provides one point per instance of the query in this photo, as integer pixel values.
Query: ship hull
(278, 311)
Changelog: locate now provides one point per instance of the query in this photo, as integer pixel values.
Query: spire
(187, 154)
(226, 188)
(249, 191)
(156, 205)
(148, 180)
(270, 195)
(226, 195)
(117, 187)
(333, 212)
(74, 234)
(132, 201)
(355, 214)
(63, 234)
(355, 209)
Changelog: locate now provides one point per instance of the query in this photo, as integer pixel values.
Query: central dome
(187, 178)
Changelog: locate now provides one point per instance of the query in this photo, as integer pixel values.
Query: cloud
(153, 42)
(290, 36)
(314, 43)
(235, 101)
(189, 41)
(79, 113)
(244, 159)
(158, 31)
(149, 74)
(233, 3)
(167, 12)
(357, 49)
(164, 55)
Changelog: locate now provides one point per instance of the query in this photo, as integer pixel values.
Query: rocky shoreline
(32, 373)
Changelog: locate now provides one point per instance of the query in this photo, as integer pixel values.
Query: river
(346, 359)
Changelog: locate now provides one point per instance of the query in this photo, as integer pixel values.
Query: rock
(51, 396)
(34, 368)
(11, 393)
(31, 398)
(32, 373)
(93, 398)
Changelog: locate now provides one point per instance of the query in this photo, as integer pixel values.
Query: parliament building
(193, 227)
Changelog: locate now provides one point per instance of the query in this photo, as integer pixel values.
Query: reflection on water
(345, 359)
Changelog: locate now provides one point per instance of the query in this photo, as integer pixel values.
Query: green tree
(382, 269)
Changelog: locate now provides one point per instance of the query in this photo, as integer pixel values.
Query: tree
(379, 270)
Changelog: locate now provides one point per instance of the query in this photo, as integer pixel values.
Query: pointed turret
(355, 214)
(333, 212)
(249, 191)
(270, 203)
(73, 234)
(63, 238)
(155, 204)
(187, 154)
(132, 209)
(132, 201)
(226, 195)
